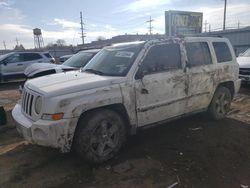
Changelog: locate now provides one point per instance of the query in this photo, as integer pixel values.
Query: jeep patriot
(124, 87)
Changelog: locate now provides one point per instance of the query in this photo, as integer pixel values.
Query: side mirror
(5, 62)
(139, 75)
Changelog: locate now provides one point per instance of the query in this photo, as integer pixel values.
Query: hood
(244, 62)
(40, 67)
(70, 82)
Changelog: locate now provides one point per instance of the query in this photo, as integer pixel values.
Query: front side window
(161, 58)
(14, 58)
(198, 53)
(114, 60)
(222, 52)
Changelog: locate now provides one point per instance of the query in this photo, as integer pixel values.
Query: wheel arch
(229, 85)
(117, 107)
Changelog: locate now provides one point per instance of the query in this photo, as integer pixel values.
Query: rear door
(201, 74)
(30, 58)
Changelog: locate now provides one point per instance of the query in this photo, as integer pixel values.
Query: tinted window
(222, 52)
(48, 55)
(198, 53)
(79, 60)
(162, 58)
(31, 56)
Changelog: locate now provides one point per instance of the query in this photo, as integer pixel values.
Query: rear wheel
(220, 103)
(99, 135)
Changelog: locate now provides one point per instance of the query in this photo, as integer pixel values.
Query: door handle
(19, 64)
(40, 61)
(144, 91)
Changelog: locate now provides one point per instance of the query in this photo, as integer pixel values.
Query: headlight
(38, 105)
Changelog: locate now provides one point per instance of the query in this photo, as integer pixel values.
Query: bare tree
(61, 42)
(100, 38)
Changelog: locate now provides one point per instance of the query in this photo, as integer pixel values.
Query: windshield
(114, 61)
(79, 60)
(246, 53)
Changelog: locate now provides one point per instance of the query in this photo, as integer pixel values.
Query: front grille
(27, 102)
(244, 71)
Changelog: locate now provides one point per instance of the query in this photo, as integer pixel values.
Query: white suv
(12, 65)
(125, 87)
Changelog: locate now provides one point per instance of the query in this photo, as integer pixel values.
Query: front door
(161, 93)
(13, 65)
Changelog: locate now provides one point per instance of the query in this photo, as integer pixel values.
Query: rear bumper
(56, 134)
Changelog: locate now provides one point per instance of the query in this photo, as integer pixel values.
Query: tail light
(52, 61)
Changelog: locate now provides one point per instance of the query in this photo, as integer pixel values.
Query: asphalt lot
(190, 152)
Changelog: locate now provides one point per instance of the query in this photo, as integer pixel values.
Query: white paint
(169, 94)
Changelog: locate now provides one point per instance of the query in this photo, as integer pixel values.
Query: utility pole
(4, 44)
(16, 41)
(238, 24)
(209, 28)
(224, 20)
(82, 34)
(205, 25)
(150, 25)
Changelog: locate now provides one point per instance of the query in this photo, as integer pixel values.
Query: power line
(150, 25)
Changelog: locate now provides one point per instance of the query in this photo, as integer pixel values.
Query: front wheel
(220, 103)
(99, 135)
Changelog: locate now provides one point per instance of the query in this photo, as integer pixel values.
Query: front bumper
(245, 78)
(56, 134)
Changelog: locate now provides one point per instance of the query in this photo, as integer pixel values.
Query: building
(240, 38)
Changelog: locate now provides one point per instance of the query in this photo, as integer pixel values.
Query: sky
(60, 19)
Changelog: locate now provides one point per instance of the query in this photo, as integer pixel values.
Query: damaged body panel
(143, 82)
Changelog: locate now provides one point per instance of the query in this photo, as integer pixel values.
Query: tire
(99, 135)
(220, 103)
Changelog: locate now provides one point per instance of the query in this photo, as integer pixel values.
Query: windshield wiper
(94, 71)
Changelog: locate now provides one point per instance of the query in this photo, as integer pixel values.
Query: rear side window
(47, 55)
(31, 56)
(162, 58)
(198, 53)
(222, 52)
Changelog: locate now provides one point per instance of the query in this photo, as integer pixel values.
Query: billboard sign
(182, 23)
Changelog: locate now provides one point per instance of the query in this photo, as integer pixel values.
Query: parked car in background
(12, 65)
(62, 59)
(73, 63)
(244, 62)
(126, 87)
